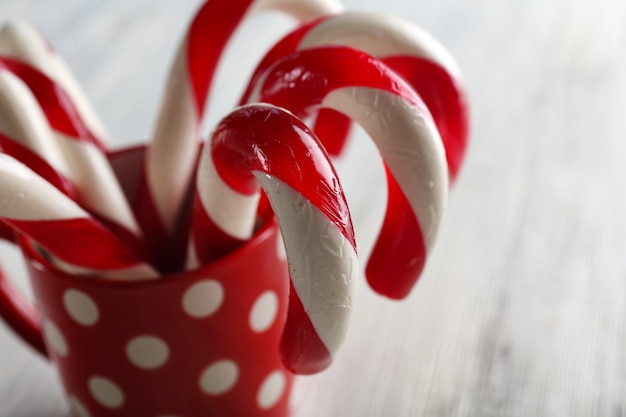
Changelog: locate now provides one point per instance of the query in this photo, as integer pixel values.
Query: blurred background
(521, 310)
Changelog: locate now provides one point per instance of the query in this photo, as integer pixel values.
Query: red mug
(198, 343)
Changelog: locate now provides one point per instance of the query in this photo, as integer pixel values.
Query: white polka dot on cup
(81, 307)
(271, 390)
(147, 352)
(55, 338)
(106, 392)
(77, 407)
(219, 377)
(203, 299)
(263, 312)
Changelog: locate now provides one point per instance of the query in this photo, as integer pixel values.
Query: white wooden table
(521, 311)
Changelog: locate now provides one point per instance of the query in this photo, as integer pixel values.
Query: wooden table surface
(521, 311)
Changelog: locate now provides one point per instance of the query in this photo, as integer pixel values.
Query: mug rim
(38, 263)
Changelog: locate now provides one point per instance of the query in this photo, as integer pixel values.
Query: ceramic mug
(198, 343)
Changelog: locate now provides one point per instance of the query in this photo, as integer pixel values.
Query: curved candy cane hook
(367, 91)
(262, 144)
(409, 50)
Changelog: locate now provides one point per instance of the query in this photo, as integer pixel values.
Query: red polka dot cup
(199, 343)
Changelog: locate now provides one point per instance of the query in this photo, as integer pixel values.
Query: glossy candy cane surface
(171, 156)
(264, 146)
(367, 91)
(408, 50)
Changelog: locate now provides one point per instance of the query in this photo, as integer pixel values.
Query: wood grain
(522, 308)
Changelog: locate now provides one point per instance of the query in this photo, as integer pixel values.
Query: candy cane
(408, 50)
(20, 40)
(39, 211)
(26, 134)
(92, 176)
(366, 90)
(262, 144)
(170, 158)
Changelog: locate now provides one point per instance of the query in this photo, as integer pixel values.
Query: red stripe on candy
(80, 241)
(37, 164)
(333, 129)
(210, 241)
(301, 348)
(399, 254)
(300, 81)
(54, 101)
(262, 138)
(282, 48)
(446, 100)
(208, 35)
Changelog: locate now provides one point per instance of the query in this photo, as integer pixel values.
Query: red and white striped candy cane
(95, 183)
(369, 92)
(171, 157)
(39, 211)
(408, 50)
(26, 135)
(267, 146)
(20, 40)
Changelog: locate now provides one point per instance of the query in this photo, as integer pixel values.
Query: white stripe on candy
(409, 144)
(301, 10)
(314, 244)
(233, 212)
(21, 40)
(95, 182)
(380, 35)
(39, 211)
(26, 196)
(22, 119)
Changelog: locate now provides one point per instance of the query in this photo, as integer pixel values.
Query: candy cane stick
(170, 159)
(26, 134)
(366, 90)
(409, 50)
(262, 144)
(20, 40)
(39, 211)
(92, 176)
